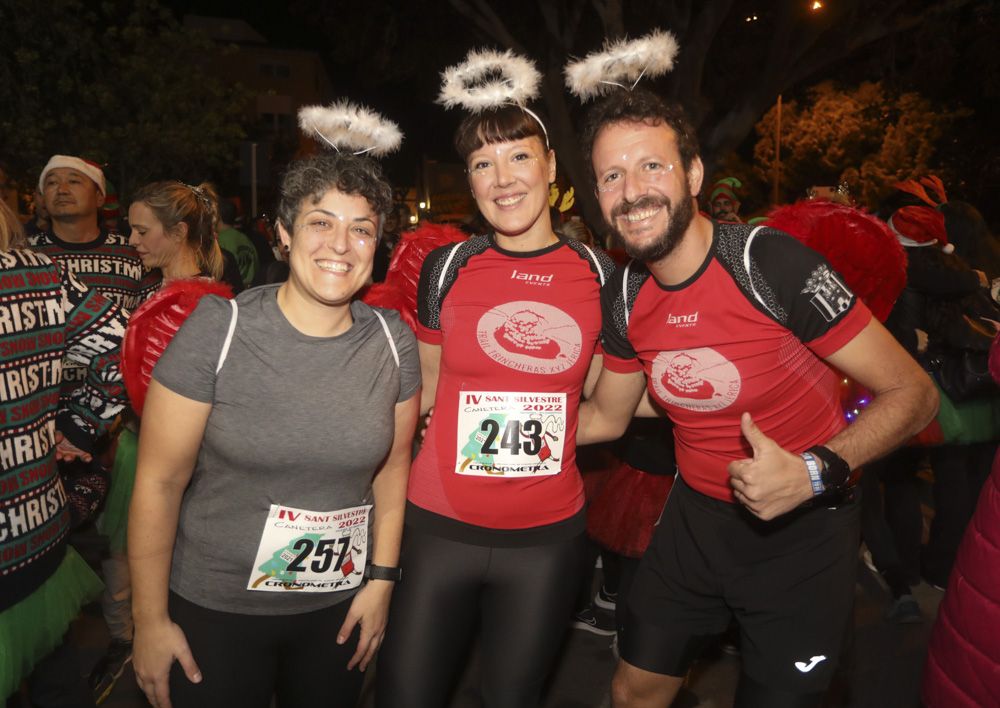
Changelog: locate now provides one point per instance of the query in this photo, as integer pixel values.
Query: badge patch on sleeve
(829, 293)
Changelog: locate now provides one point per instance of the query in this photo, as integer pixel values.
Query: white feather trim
(621, 61)
(348, 126)
(487, 79)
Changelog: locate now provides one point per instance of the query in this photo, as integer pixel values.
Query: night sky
(918, 59)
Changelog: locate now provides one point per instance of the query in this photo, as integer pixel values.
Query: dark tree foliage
(865, 136)
(117, 82)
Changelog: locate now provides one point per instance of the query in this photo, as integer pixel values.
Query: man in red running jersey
(737, 333)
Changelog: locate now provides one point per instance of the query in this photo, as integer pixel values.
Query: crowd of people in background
(545, 353)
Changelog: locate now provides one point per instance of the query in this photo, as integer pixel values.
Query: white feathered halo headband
(346, 126)
(621, 63)
(490, 79)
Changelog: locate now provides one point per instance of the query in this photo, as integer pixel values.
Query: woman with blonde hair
(173, 229)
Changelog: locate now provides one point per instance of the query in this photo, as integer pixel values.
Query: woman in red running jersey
(508, 324)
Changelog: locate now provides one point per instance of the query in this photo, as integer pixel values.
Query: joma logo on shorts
(806, 668)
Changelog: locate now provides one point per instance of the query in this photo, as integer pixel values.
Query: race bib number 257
(311, 551)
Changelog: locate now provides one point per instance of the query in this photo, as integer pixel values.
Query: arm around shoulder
(607, 412)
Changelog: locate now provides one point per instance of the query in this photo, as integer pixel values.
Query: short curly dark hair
(313, 177)
(639, 106)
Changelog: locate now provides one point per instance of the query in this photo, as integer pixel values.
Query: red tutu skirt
(596, 463)
(622, 515)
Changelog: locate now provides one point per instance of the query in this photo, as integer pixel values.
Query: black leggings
(245, 659)
(521, 598)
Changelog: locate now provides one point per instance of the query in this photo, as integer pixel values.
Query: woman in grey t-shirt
(270, 427)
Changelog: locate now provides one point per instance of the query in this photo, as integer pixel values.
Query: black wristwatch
(382, 572)
(835, 473)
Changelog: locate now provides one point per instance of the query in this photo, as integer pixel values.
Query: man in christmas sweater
(73, 192)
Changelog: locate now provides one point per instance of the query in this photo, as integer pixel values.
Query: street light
(776, 189)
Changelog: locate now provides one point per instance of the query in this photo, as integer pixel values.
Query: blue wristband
(812, 465)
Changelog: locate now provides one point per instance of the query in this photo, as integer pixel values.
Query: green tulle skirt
(113, 521)
(36, 625)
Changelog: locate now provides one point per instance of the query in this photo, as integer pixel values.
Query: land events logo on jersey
(528, 336)
(688, 320)
(696, 379)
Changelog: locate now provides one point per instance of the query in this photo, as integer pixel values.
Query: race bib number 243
(510, 434)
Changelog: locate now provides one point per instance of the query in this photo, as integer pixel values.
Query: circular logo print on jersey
(530, 336)
(696, 379)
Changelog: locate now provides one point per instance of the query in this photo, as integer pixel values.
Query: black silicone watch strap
(836, 472)
(381, 572)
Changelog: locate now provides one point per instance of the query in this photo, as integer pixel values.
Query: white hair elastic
(347, 126)
(621, 61)
(489, 79)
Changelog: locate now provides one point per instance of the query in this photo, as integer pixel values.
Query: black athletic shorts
(788, 582)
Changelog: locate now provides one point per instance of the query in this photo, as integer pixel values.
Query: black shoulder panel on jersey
(599, 261)
(617, 300)
(787, 280)
(731, 251)
(438, 273)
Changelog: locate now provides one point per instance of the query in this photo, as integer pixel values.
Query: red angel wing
(399, 291)
(154, 324)
(860, 247)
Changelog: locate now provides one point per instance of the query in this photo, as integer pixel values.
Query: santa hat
(91, 169)
(726, 187)
(918, 226)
